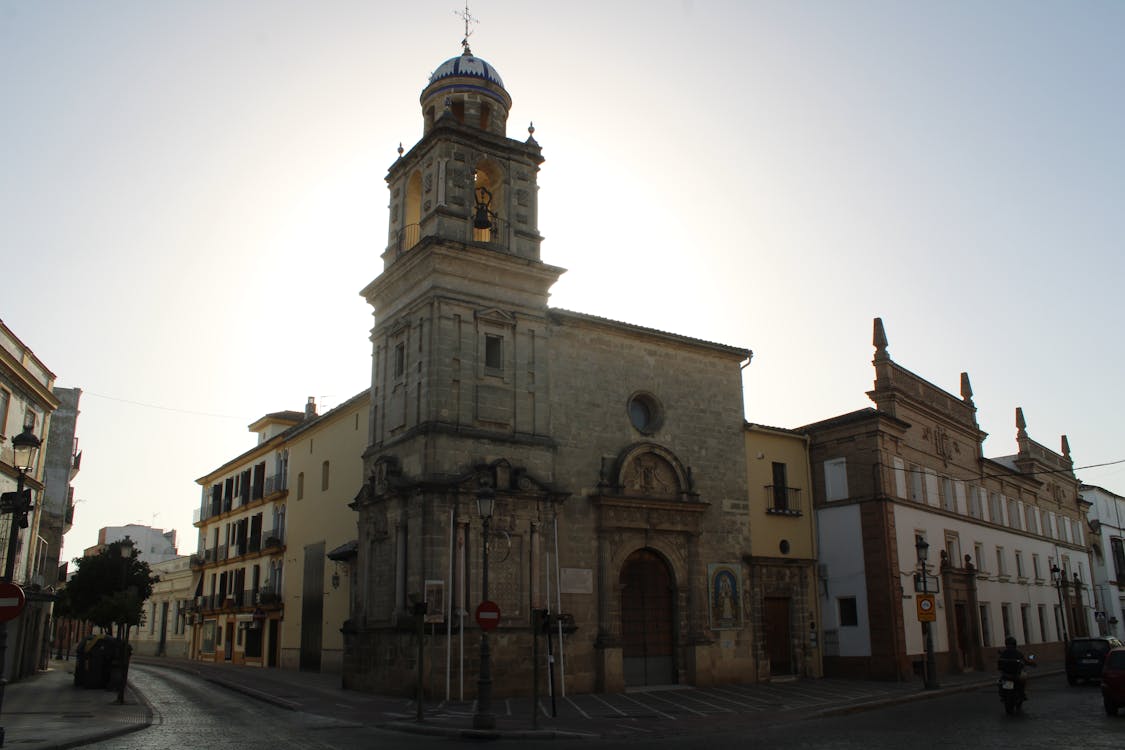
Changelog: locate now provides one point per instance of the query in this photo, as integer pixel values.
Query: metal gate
(312, 607)
(647, 619)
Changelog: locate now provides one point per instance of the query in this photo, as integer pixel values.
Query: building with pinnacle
(1006, 537)
(615, 453)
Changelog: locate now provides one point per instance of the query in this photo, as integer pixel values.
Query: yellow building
(326, 472)
(784, 606)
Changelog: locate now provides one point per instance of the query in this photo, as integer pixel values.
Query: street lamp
(1060, 583)
(25, 449)
(483, 718)
(922, 547)
(125, 551)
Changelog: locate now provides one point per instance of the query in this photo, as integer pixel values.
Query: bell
(480, 218)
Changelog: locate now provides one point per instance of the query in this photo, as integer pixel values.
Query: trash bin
(98, 658)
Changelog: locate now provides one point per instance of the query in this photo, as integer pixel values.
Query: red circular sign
(488, 615)
(12, 601)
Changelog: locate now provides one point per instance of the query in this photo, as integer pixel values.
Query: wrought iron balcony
(783, 501)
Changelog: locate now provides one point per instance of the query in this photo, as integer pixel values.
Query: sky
(192, 196)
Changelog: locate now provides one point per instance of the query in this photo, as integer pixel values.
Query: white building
(151, 545)
(1107, 525)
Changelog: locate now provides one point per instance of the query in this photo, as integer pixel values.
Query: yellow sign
(927, 612)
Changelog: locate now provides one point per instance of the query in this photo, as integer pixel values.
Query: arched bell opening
(488, 199)
(412, 212)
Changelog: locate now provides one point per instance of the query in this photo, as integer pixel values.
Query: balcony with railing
(262, 596)
(783, 501)
(276, 484)
(495, 235)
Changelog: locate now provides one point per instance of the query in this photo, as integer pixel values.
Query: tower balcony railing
(407, 238)
(410, 235)
(783, 501)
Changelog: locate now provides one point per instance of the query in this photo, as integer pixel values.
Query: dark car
(1113, 681)
(1085, 656)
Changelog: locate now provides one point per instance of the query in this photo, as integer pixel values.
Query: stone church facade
(615, 453)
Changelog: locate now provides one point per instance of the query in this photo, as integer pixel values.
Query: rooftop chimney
(310, 408)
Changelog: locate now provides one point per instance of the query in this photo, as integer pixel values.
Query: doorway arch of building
(648, 619)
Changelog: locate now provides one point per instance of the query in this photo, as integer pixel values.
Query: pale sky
(192, 196)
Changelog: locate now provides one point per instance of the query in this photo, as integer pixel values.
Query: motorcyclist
(1011, 662)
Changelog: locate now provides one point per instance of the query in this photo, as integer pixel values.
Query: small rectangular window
(849, 613)
(835, 479)
(995, 508)
(301, 486)
(1013, 513)
(917, 485)
(948, 499)
(400, 360)
(324, 476)
(5, 399)
(493, 352)
(974, 502)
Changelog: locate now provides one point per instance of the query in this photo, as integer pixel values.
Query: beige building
(325, 473)
(784, 605)
(268, 593)
(165, 630)
(615, 453)
(27, 402)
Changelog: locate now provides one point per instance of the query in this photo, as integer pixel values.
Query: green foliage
(109, 589)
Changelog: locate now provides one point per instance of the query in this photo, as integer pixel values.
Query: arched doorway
(647, 620)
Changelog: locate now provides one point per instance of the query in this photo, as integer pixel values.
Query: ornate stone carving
(652, 476)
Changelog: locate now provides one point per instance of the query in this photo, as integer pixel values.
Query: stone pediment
(497, 316)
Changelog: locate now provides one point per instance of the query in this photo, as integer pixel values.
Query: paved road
(191, 713)
(1057, 717)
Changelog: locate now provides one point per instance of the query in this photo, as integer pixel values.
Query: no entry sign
(488, 615)
(12, 601)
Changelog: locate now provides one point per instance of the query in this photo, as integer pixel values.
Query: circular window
(784, 546)
(645, 413)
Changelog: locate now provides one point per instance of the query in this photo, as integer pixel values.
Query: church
(598, 466)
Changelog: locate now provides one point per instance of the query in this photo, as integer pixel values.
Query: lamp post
(25, 449)
(483, 718)
(922, 547)
(125, 551)
(1060, 582)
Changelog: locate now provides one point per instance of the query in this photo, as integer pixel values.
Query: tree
(110, 587)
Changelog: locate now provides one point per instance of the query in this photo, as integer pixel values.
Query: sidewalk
(47, 711)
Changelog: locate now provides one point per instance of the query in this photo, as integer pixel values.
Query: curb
(408, 727)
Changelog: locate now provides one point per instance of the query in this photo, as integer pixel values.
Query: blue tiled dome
(466, 66)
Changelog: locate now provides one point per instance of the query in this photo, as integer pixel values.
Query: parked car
(1113, 681)
(1085, 656)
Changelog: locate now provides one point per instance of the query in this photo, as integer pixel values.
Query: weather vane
(468, 18)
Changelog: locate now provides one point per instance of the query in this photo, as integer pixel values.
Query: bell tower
(465, 181)
(460, 334)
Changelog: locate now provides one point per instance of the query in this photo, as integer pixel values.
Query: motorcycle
(1011, 683)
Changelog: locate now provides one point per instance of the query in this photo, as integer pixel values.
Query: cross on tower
(468, 19)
